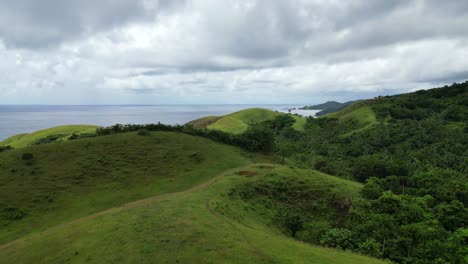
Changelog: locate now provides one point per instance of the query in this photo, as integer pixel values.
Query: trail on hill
(138, 203)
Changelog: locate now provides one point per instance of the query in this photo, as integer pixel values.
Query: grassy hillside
(204, 224)
(360, 112)
(59, 133)
(238, 122)
(71, 179)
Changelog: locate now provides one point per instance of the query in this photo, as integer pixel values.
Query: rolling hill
(238, 122)
(168, 196)
(54, 134)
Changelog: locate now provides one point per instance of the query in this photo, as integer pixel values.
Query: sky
(227, 52)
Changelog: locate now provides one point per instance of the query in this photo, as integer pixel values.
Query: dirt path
(136, 203)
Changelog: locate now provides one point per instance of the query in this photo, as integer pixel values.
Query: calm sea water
(15, 119)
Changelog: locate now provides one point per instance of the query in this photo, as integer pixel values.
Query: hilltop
(240, 121)
(54, 134)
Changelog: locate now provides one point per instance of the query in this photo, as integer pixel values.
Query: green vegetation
(55, 134)
(300, 202)
(400, 195)
(240, 121)
(328, 107)
(205, 224)
(410, 150)
(360, 113)
(54, 183)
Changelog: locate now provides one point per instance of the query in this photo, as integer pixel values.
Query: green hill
(71, 179)
(238, 122)
(135, 197)
(329, 107)
(54, 134)
(360, 114)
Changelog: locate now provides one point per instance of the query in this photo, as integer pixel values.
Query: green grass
(62, 132)
(360, 112)
(200, 225)
(240, 121)
(300, 123)
(71, 179)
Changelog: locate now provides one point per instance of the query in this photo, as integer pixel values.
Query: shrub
(337, 238)
(49, 139)
(5, 148)
(27, 156)
(143, 132)
(12, 214)
(291, 220)
(312, 232)
(369, 247)
(73, 136)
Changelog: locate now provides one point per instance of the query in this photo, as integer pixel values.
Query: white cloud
(233, 52)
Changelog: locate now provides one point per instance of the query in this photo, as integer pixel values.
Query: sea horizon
(26, 118)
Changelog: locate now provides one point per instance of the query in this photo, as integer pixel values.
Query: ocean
(16, 119)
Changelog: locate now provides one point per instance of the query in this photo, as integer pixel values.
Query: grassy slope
(202, 225)
(71, 179)
(359, 112)
(238, 122)
(23, 140)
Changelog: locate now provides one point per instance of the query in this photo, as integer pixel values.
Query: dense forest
(413, 160)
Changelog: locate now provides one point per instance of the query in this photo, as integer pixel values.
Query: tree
(372, 189)
(258, 138)
(283, 147)
(281, 122)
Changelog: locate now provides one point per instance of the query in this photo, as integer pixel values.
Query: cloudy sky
(233, 51)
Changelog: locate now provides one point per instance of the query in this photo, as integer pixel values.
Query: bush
(369, 247)
(73, 136)
(27, 156)
(312, 232)
(12, 214)
(49, 139)
(337, 238)
(5, 148)
(143, 132)
(291, 220)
